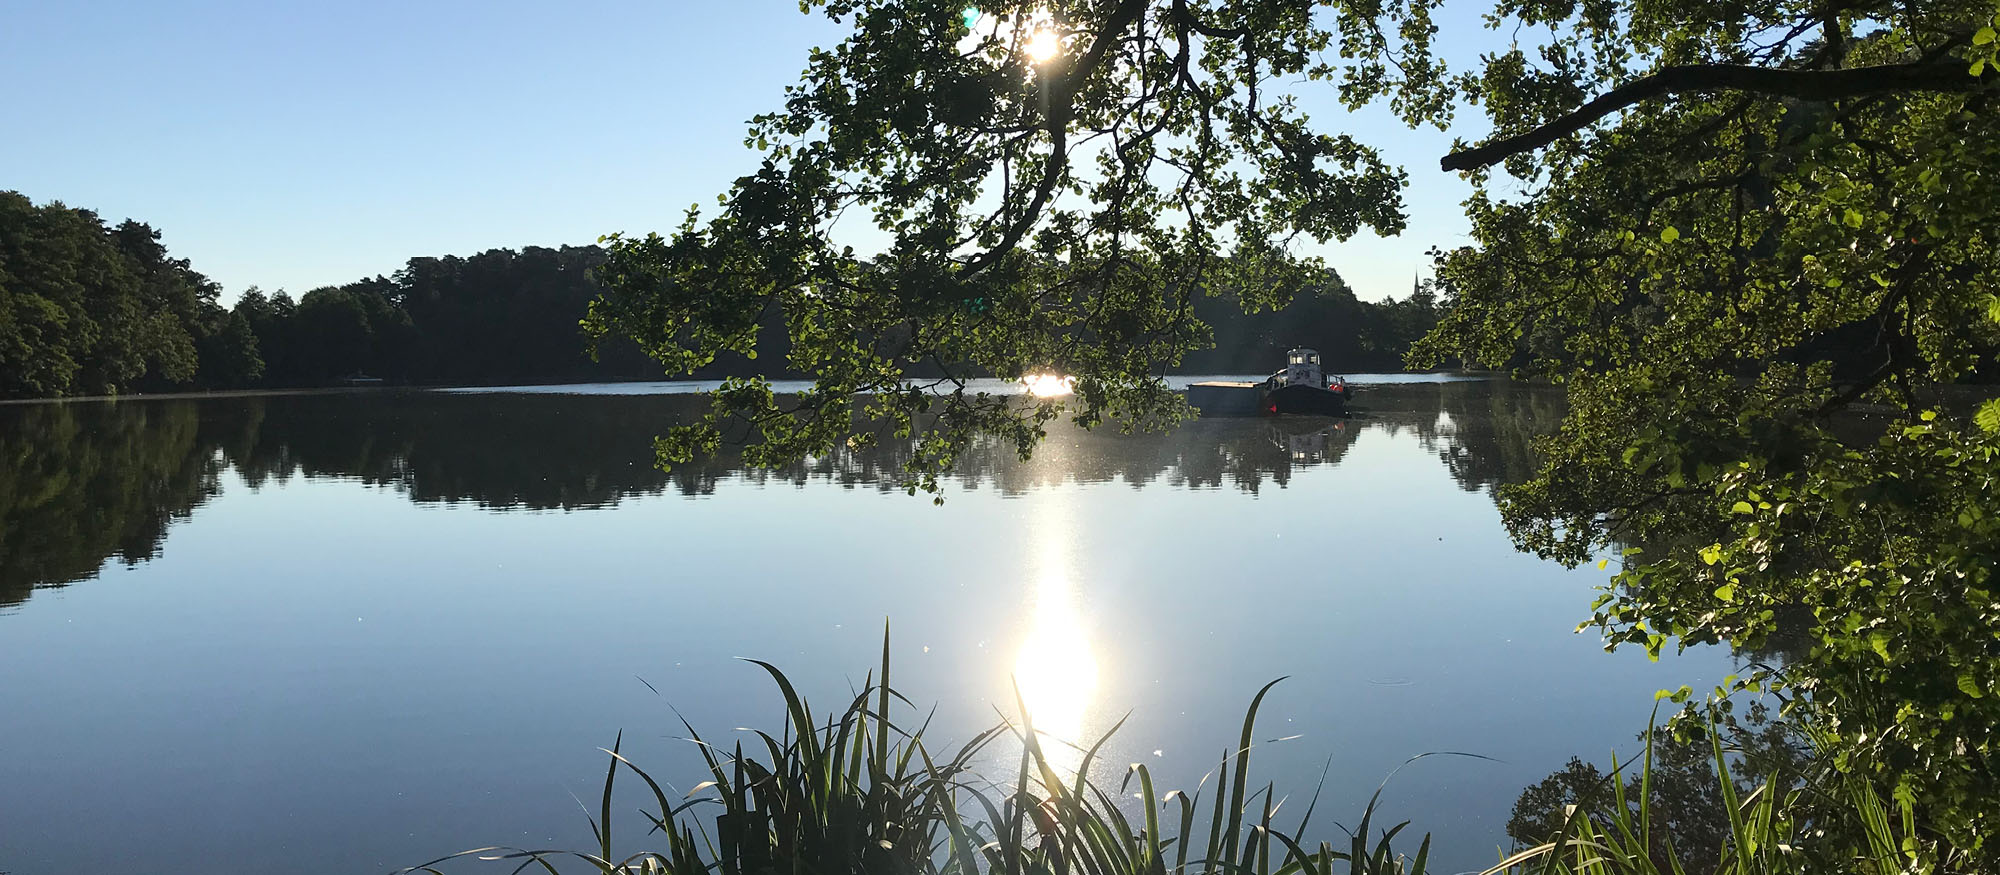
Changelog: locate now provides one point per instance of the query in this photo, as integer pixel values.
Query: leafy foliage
(1691, 807)
(1678, 785)
(1723, 284)
(1056, 213)
(85, 307)
(499, 316)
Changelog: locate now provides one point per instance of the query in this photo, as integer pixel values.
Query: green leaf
(1969, 685)
(1988, 417)
(1984, 36)
(1742, 507)
(1726, 592)
(1711, 554)
(1852, 218)
(1879, 641)
(1669, 234)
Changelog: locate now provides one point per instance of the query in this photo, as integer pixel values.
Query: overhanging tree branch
(1061, 97)
(1815, 85)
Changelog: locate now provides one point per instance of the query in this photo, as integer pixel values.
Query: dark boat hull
(1305, 400)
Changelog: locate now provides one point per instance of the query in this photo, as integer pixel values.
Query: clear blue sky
(296, 145)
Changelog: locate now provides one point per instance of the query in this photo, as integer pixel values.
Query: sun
(1043, 45)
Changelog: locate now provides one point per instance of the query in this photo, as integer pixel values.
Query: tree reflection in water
(85, 483)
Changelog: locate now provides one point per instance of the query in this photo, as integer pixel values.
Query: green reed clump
(858, 793)
(1821, 819)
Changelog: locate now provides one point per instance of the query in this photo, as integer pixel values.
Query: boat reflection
(1310, 448)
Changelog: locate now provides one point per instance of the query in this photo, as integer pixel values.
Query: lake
(351, 631)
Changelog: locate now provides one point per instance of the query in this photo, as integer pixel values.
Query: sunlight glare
(1043, 45)
(1055, 670)
(1048, 385)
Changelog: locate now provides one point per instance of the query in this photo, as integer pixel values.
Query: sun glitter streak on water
(1055, 669)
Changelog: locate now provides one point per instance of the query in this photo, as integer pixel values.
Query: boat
(1302, 388)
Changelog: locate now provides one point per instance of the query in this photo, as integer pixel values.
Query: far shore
(405, 387)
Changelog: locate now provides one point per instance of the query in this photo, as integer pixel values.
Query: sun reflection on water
(1048, 385)
(1055, 669)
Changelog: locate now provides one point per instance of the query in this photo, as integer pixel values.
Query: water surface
(347, 632)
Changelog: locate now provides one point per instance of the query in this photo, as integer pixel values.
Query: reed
(1824, 820)
(857, 792)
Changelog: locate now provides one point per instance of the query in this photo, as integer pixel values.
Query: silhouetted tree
(229, 355)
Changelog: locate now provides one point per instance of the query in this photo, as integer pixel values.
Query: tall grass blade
(604, 810)
(1744, 843)
(1242, 775)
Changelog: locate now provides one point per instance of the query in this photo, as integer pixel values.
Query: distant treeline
(1351, 335)
(88, 308)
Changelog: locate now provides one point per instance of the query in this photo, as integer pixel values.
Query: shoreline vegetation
(861, 791)
(99, 310)
(198, 394)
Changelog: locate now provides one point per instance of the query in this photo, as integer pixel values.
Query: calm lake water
(348, 632)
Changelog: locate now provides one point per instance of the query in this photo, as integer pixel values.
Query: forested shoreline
(92, 308)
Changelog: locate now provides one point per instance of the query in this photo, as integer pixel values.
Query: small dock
(1220, 398)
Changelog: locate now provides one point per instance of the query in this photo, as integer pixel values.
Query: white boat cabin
(1302, 369)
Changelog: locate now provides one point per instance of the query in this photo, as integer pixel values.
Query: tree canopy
(1056, 187)
(85, 307)
(1724, 228)
(1725, 285)
(89, 308)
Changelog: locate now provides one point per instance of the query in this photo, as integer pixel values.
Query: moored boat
(1301, 388)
